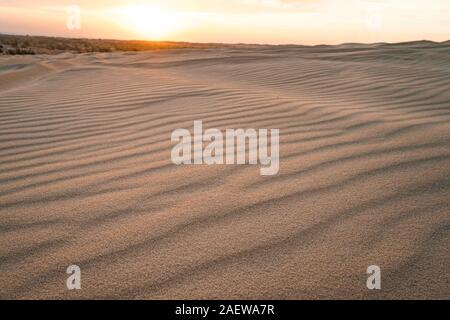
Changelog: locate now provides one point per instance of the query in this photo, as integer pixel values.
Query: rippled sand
(86, 176)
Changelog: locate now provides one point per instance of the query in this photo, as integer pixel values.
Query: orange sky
(250, 21)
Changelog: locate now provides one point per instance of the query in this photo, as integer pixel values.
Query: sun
(150, 22)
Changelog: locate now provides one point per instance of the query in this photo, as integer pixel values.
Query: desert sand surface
(86, 176)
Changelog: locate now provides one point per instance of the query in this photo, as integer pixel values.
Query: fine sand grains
(86, 176)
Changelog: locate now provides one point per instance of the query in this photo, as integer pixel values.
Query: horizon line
(224, 43)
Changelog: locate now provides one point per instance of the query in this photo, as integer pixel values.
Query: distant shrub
(19, 51)
(25, 44)
(105, 50)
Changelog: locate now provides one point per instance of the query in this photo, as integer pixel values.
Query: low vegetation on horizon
(29, 45)
(19, 45)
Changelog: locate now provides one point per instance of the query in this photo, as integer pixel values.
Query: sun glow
(150, 22)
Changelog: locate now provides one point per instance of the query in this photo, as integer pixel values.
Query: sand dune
(86, 176)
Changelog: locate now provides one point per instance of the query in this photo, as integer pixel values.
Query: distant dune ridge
(86, 176)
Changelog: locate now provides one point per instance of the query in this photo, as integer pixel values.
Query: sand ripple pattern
(86, 176)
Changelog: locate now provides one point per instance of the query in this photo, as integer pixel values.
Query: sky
(232, 21)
